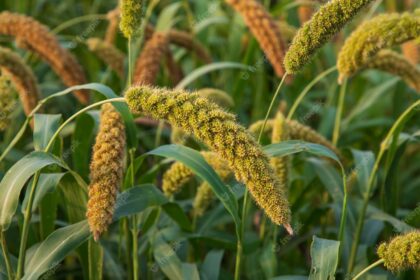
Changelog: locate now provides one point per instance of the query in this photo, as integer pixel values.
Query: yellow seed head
(7, 101)
(280, 164)
(381, 32)
(394, 63)
(131, 16)
(402, 252)
(220, 131)
(22, 77)
(148, 64)
(265, 30)
(32, 35)
(106, 170)
(108, 53)
(324, 24)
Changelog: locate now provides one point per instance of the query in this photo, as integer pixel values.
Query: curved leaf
(324, 254)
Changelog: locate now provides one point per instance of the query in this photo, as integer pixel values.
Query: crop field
(210, 139)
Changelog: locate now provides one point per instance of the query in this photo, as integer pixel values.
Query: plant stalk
(6, 255)
(338, 115)
(381, 261)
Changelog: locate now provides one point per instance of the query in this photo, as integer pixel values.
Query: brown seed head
(32, 35)
(106, 170)
(411, 51)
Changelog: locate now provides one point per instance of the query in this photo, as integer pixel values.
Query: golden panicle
(148, 63)
(131, 16)
(205, 195)
(219, 130)
(7, 101)
(34, 36)
(402, 252)
(175, 178)
(394, 63)
(300, 131)
(113, 17)
(106, 170)
(265, 30)
(280, 164)
(109, 54)
(187, 41)
(381, 32)
(324, 24)
(22, 77)
(411, 51)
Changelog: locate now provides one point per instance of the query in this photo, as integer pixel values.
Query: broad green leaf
(195, 161)
(15, 180)
(376, 214)
(329, 177)
(174, 211)
(364, 161)
(166, 259)
(166, 17)
(96, 259)
(296, 146)
(324, 254)
(211, 265)
(47, 183)
(52, 250)
(197, 73)
(45, 126)
(190, 271)
(268, 260)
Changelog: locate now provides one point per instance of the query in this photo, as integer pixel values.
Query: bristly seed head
(131, 17)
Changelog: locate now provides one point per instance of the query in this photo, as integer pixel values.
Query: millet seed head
(402, 252)
(106, 170)
(33, 36)
(22, 77)
(131, 17)
(324, 24)
(411, 51)
(280, 133)
(220, 132)
(381, 32)
(7, 101)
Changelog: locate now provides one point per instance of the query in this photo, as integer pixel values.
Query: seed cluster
(402, 252)
(148, 63)
(280, 164)
(106, 170)
(265, 30)
(109, 54)
(7, 101)
(131, 16)
(394, 63)
(219, 130)
(32, 35)
(381, 32)
(325, 23)
(22, 77)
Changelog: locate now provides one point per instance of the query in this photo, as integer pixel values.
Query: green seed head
(7, 101)
(402, 252)
(330, 19)
(131, 16)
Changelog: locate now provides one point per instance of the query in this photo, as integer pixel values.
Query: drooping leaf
(324, 254)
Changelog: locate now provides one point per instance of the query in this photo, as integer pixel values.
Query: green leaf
(166, 259)
(194, 75)
(211, 265)
(290, 277)
(96, 259)
(324, 254)
(195, 161)
(364, 161)
(190, 271)
(57, 245)
(174, 211)
(166, 17)
(296, 146)
(45, 126)
(15, 180)
(47, 183)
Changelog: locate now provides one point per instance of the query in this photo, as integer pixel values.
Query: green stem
(26, 224)
(75, 21)
(246, 195)
(55, 135)
(307, 89)
(6, 254)
(381, 261)
(134, 229)
(338, 115)
(383, 148)
(130, 63)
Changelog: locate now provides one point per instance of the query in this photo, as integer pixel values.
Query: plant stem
(6, 255)
(381, 261)
(338, 115)
(130, 63)
(26, 224)
(134, 229)
(383, 148)
(246, 195)
(307, 89)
